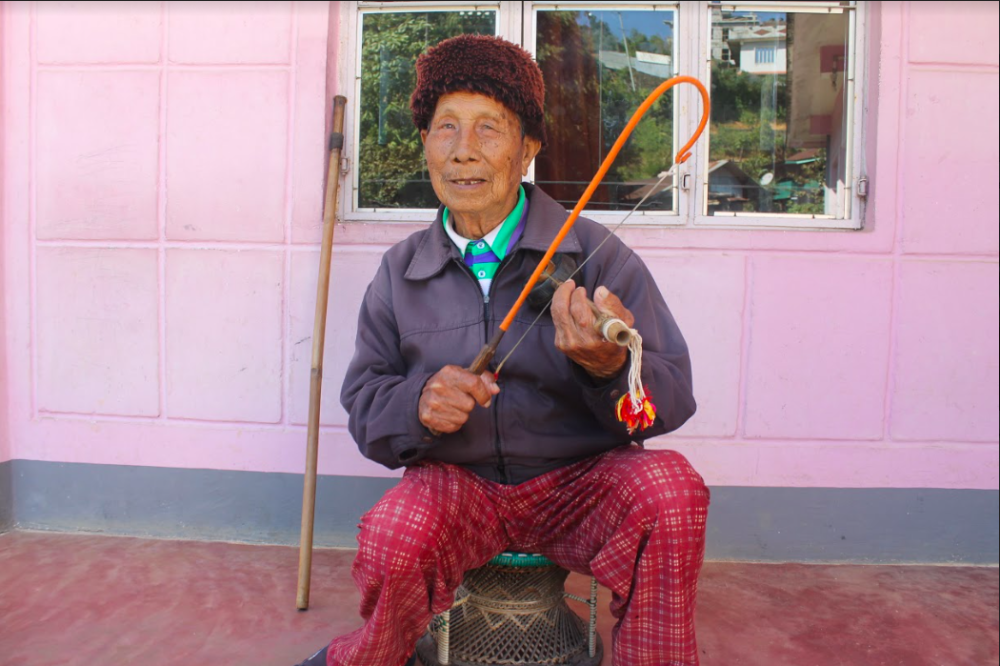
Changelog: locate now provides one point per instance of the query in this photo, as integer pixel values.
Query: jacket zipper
(495, 409)
(502, 474)
(501, 468)
(504, 477)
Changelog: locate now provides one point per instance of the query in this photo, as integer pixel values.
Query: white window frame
(683, 61)
(349, 73)
(855, 120)
(516, 21)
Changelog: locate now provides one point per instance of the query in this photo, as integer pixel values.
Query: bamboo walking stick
(319, 336)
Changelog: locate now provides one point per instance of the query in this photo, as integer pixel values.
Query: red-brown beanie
(481, 64)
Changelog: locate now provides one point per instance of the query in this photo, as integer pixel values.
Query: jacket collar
(545, 218)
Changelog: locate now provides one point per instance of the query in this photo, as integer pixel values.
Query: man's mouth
(467, 181)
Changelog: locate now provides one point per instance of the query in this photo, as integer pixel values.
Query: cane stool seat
(513, 611)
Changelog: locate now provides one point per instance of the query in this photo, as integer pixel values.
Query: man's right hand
(451, 394)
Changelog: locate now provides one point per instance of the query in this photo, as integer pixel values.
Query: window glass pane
(599, 66)
(778, 132)
(391, 167)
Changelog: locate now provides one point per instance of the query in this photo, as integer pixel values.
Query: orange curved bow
(486, 354)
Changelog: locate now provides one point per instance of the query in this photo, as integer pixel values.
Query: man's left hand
(575, 333)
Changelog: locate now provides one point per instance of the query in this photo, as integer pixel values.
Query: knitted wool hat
(481, 64)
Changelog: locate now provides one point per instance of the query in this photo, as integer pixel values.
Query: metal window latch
(862, 188)
(345, 165)
(686, 182)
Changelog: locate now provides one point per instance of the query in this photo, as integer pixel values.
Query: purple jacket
(425, 310)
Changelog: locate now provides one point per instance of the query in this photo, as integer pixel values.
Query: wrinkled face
(476, 157)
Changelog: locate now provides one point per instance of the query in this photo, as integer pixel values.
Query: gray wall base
(877, 525)
(873, 525)
(211, 505)
(6, 496)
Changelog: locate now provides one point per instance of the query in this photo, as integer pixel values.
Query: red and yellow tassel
(636, 414)
(635, 409)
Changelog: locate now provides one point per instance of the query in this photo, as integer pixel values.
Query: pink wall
(4, 430)
(161, 236)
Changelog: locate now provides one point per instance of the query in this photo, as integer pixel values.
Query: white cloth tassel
(635, 390)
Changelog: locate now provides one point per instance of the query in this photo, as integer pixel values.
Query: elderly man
(535, 460)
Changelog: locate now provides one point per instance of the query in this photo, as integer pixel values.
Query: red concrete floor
(76, 600)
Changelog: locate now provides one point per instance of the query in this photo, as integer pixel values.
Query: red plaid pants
(633, 518)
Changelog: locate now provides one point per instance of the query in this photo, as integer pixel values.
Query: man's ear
(423, 137)
(531, 148)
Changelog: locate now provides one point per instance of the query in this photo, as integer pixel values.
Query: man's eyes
(484, 127)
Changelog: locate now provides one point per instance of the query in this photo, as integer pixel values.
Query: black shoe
(318, 659)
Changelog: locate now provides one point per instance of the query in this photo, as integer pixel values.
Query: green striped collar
(498, 239)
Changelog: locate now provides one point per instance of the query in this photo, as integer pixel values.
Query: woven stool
(513, 610)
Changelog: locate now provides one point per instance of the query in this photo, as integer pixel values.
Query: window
(599, 66)
(391, 171)
(783, 135)
(779, 145)
(764, 55)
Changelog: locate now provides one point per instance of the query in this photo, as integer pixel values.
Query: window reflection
(599, 66)
(778, 133)
(391, 168)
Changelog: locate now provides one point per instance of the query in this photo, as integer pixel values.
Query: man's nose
(466, 146)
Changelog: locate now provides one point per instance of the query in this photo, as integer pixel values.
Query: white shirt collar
(461, 242)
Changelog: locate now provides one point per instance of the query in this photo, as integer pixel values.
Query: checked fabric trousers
(633, 518)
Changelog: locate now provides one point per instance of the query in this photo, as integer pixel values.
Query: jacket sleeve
(666, 364)
(381, 398)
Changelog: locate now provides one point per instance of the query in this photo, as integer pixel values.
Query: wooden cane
(319, 336)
